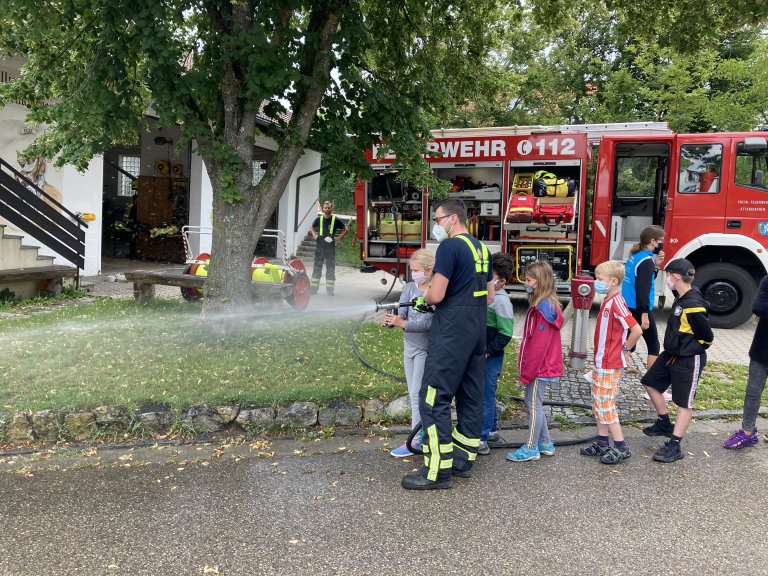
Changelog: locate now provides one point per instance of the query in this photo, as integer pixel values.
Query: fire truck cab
(709, 193)
(526, 193)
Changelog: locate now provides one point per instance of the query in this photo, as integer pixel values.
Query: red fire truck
(526, 192)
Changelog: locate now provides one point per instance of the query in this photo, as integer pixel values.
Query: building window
(259, 169)
(132, 165)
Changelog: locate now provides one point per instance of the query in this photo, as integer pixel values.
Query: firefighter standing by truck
(324, 230)
(455, 365)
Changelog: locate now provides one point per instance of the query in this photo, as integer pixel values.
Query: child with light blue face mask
(601, 287)
(415, 326)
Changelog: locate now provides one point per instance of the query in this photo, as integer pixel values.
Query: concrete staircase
(16, 256)
(306, 250)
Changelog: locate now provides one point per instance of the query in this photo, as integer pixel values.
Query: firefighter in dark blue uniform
(455, 365)
(324, 230)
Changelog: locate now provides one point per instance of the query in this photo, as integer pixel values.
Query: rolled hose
(510, 445)
(506, 445)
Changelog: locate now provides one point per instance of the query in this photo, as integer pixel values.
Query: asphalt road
(335, 506)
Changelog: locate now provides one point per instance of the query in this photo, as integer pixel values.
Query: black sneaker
(613, 455)
(594, 449)
(495, 438)
(669, 452)
(659, 428)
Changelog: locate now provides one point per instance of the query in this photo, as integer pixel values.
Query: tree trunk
(238, 225)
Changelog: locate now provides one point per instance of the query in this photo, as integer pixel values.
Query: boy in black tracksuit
(686, 340)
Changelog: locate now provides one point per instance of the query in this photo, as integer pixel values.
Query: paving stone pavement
(357, 290)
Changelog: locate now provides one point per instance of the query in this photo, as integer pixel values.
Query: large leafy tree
(319, 71)
(619, 61)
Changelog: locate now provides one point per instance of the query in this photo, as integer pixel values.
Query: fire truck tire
(729, 290)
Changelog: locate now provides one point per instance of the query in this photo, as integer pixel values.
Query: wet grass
(114, 352)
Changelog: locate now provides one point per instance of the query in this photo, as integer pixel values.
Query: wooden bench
(144, 282)
(48, 279)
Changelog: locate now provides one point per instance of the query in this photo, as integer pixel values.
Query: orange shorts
(605, 388)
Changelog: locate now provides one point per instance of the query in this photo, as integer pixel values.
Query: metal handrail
(188, 230)
(36, 213)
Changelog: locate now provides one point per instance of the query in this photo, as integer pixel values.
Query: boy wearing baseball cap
(686, 340)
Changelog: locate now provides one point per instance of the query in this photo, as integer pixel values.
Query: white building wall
(296, 228)
(83, 194)
(201, 203)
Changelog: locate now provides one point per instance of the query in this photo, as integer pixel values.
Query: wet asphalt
(335, 506)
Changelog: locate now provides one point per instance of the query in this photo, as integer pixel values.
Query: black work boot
(416, 481)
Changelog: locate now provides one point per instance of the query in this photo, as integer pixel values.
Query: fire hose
(393, 306)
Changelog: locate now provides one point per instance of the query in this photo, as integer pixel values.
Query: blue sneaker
(547, 449)
(523, 454)
(401, 451)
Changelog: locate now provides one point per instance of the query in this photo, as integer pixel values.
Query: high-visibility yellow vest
(333, 224)
(481, 258)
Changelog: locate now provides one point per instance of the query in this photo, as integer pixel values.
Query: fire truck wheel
(729, 290)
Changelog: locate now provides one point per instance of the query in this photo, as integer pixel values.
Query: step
(20, 256)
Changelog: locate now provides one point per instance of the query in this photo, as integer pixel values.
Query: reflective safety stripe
(333, 223)
(481, 258)
(432, 462)
(469, 442)
(433, 454)
(471, 456)
(430, 398)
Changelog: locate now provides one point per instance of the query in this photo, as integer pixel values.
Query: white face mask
(418, 277)
(671, 283)
(439, 233)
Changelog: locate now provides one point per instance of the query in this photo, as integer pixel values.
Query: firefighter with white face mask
(461, 285)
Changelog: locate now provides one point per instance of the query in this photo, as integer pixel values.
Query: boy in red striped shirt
(611, 357)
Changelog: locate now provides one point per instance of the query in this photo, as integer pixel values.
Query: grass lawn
(114, 352)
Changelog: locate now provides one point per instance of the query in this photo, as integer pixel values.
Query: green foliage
(348, 250)
(227, 72)
(605, 62)
(7, 295)
(339, 188)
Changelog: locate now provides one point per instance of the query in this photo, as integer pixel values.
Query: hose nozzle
(389, 306)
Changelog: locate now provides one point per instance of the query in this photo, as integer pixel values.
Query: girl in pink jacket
(540, 359)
